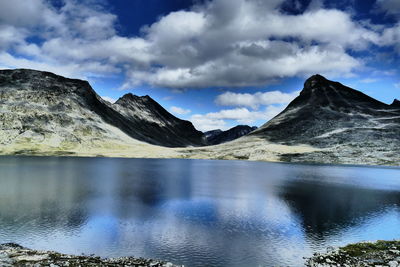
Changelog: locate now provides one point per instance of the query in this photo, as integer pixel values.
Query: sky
(217, 63)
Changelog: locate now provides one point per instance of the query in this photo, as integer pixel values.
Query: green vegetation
(379, 253)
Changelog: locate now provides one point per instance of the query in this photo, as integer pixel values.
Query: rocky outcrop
(157, 125)
(43, 109)
(216, 137)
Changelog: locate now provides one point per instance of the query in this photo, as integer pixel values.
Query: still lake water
(194, 212)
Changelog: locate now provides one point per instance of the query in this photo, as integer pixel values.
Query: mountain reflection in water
(194, 212)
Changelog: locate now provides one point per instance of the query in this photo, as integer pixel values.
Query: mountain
(395, 103)
(156, 124)
(46, 114)
(212, 133)
(342, 121)
(327, 123)
(218, 137)
(42, 111)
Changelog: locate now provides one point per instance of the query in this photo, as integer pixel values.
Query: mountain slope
(328, 114)
(156, 124)
(327, 123)
(43, 111)
(216, 137)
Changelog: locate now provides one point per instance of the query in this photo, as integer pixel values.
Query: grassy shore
(379, 253)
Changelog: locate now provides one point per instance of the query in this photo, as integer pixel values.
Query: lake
(195, 212)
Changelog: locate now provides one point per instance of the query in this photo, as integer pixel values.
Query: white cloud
(218, 43)
(216, 120)
(109, 99)
(87, 69)
(180, 111)
(22, 13)
(397, 85)
(203, 123)
(368, 80)
(391, 36)
(256, 99)
(391, 7)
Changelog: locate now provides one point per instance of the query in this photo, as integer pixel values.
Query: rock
(14, 255)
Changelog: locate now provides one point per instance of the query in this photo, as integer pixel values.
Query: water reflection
(194, 212)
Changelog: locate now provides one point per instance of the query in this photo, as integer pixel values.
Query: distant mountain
(156, 124)
(212, 133)
(395, 103)
(41, 109)
(215, 137)
(328, 114)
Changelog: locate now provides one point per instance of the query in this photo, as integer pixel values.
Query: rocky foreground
(15, 255)
(380, 253)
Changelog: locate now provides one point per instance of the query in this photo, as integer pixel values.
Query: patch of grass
(356, 250)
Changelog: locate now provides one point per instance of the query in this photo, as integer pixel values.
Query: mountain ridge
(216, 137)
(45, 114)
(160, 126)
(47, 108)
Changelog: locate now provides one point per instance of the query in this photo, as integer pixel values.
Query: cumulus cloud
(256, 99)
(216, 120)
(391, 7)
(391, 36)
(229, 43)
(180, 111)
(109, 99)
(368, 80)
(253, 50)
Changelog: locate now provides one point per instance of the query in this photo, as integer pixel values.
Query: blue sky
(217, 63)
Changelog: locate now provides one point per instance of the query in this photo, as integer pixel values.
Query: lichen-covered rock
(15, 255)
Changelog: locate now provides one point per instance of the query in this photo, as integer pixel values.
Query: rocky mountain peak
(396, 103)
(129, 97)
(156, 123)
(314, 81)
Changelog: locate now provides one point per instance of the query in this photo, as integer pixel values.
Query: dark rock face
(212, 133)
(216, 137)
(41, 107)
(327, 114)
(395, 103)
(157, 125)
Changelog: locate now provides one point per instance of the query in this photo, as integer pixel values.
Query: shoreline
(15, 255)
(362, 254)
(63, 154)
